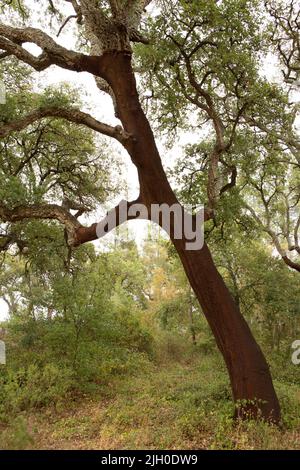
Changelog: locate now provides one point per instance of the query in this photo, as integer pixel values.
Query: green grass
(171, 405)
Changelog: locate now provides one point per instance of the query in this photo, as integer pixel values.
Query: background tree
(214, 72)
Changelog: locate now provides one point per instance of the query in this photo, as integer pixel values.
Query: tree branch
(232, 181)
(39, 63)
(42, 211)
(65, 23)
(275, 240)
(87, 234)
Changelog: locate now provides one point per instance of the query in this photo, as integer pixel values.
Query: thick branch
(11, 40)
(71, 115)
(77, 234)
(113, 219)
(38, 63)
(291, 263)
(42, 211)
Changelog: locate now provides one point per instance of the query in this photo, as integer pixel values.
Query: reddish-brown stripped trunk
(249, 373)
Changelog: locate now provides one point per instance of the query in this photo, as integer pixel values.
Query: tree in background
(72, 328)
(246, 160)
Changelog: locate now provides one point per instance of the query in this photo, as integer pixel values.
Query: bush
(33, 387)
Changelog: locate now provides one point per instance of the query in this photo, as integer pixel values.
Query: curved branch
(291, 263)
(72, 115)
(77, 234)
(39, 63)
(275, 240)
(11, 40)
(232, 181)
(87, 234)
(42, 211)
(65, 23)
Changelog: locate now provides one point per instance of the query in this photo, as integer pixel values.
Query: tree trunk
(250, 378)
(249, 373)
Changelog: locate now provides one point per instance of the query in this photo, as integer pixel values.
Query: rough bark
(249, 373)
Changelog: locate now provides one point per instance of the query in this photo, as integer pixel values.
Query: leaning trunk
(250, 377)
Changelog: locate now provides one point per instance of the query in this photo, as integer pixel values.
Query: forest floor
(178, 405)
